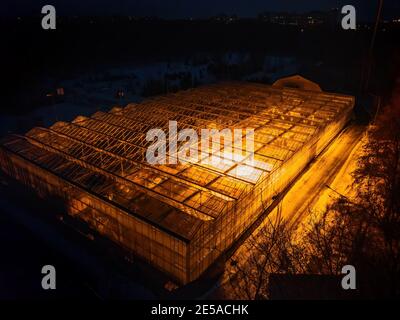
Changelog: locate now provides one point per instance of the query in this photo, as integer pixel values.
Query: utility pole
(372, 44)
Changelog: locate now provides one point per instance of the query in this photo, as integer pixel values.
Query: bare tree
(378, 183)
(364, 231)
(324, 245)
(266, 252)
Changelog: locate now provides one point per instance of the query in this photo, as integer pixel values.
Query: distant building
(314, 287)
(308, 19)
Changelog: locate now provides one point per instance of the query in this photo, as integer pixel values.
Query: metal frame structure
(178, 217)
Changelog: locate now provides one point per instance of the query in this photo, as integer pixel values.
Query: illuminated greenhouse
(178, 217)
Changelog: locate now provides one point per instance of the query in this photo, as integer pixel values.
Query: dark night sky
(190, 8)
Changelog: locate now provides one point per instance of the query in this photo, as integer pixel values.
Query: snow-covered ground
(309, 196)
(43, 116)
(97, 90)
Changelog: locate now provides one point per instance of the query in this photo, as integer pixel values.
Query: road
(332, 168)
(309, 195)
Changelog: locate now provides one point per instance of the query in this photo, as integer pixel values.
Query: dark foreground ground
(31, 236)
(35, 233)
(23, 256)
